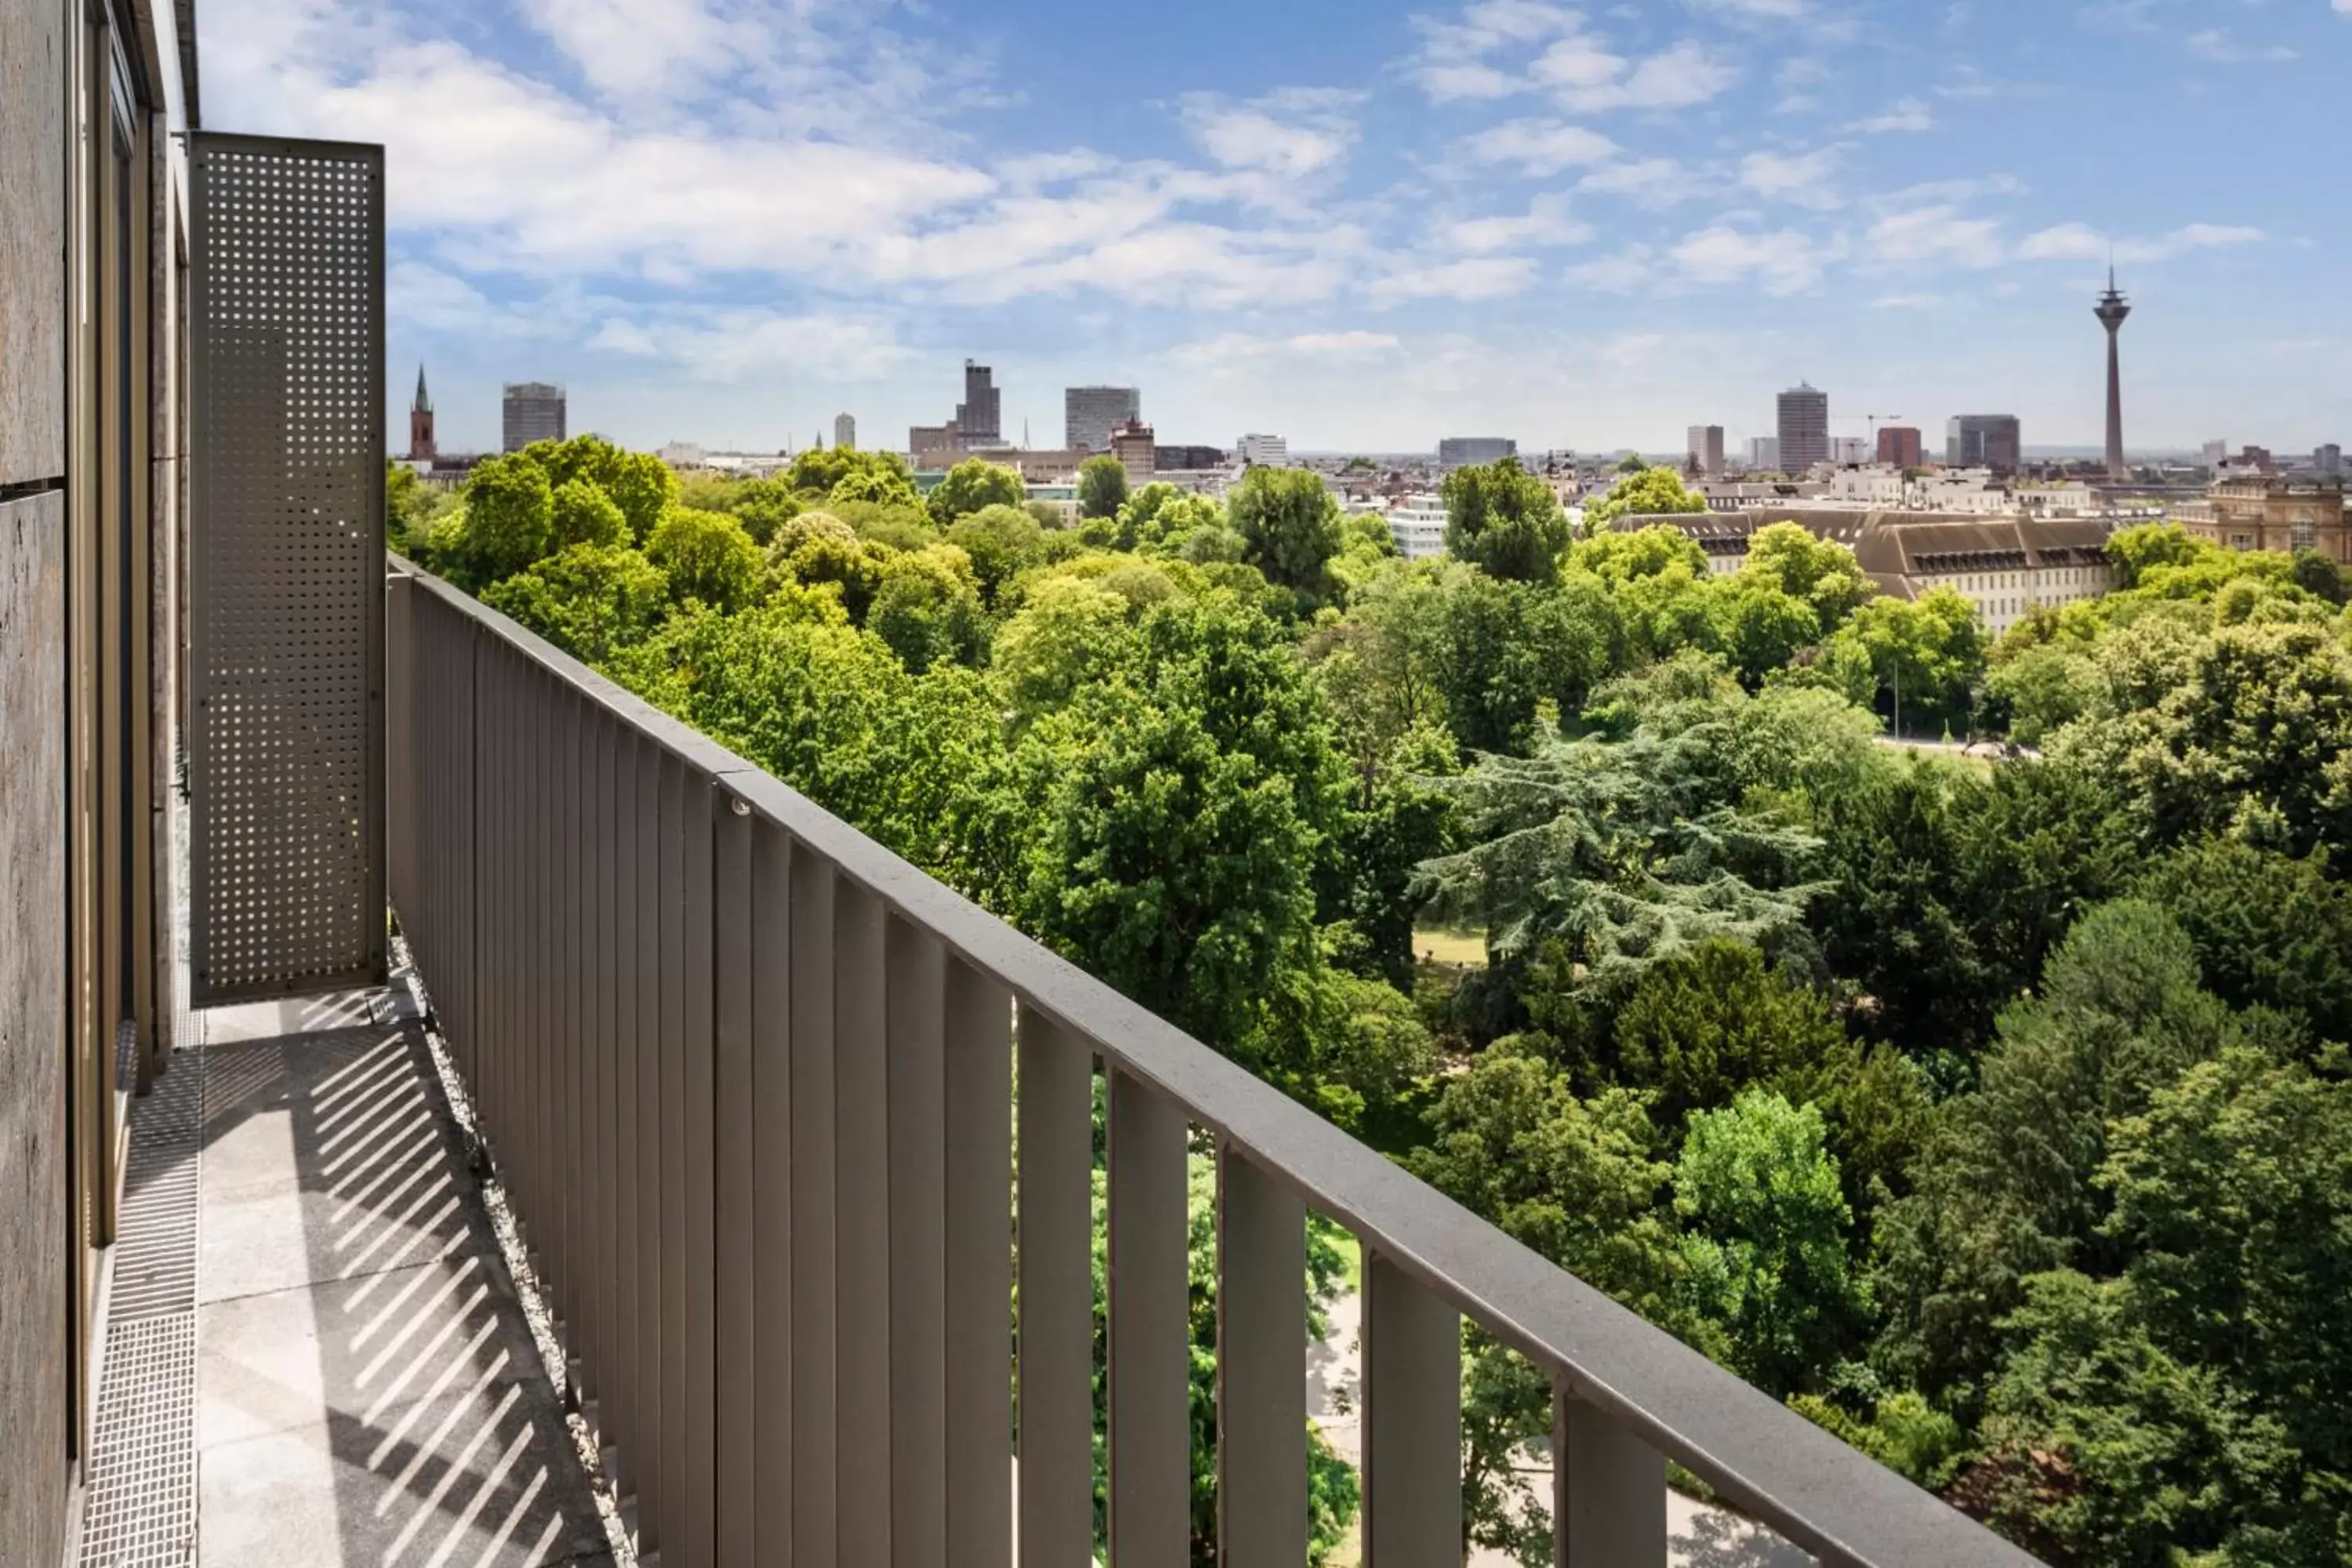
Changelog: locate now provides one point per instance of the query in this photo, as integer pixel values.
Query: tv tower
(2111, 311)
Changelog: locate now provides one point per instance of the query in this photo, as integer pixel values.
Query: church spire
(424, 403)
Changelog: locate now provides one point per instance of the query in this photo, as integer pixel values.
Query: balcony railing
(754, 1083)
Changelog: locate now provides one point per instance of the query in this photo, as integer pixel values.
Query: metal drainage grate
(155, 1247)
(140, 1508)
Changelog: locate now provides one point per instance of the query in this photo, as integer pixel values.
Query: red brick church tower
(420, 423)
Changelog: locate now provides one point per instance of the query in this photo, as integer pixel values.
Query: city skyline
(1386, 220)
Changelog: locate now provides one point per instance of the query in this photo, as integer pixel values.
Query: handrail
(1605, 1360)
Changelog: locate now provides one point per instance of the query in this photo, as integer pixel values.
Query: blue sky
(1358, 223)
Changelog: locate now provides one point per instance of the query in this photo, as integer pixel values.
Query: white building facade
(1263, 451)
(1418, 526)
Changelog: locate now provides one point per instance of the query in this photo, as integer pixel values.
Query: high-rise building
(1461, 451)
(2328, 459)
(1898, 446)
(981, 415)
(2111, 310)
(1090, 413)
(1706, 449)
(1764, 454)
(420, 423)
(534, 412)
(1846, 451)
(1265, 451)
(1804, 427)
(845, 433)
(1132, 442)
(1983, 441)
(2215, 452)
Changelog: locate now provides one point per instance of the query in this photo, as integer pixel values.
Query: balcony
(775, 1132)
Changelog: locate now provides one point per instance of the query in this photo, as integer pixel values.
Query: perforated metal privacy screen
(286, 671)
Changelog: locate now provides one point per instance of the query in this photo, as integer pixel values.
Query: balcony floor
(366, 1385)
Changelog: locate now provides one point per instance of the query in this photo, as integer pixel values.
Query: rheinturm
(2111, 311)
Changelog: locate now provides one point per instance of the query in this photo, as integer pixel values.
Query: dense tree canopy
(1992, 1113)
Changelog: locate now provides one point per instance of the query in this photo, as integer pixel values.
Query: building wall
(35, 1436)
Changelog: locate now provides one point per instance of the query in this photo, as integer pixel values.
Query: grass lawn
(1463, 949)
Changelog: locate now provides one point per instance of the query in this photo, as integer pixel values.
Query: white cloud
(1578, 62)
(1906, 114)
(1778, 9)
(1651, 182)
(1291, 133)
(1458, 60)
(619, 336)
(1908, 302)
(1474, 278)
(1539, 147)
(1622, 273)
(1783, 262)
(1545, 223)
(1937, 233)
(2080, 242)
(1803, 178)
(632, 48)
(1682, 76)
(1236, 350)
(2217, 45)
(1447, 81)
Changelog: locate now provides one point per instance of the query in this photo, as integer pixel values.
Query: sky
(1360, 224)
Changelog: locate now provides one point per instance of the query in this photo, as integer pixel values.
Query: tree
(1706, 1024)
(1001, 541)
(878, 485)
(972, 484)
(509, 512)
(926, 607)
(1765, 1257)
(1759, 628)
(580, 513)
(1645, 493)
(2255, 737)
(1069, 635)
(1924, 652)
(2005, 1189)
(1175, 870)
(1821, 573)
(589, 599)
(1504, 520)
(708, 556)
(763, 506)
(2135, 552)
(1102, 486)
(821, 470)
(2269, 931)
(1289, 524)
(2321, 577)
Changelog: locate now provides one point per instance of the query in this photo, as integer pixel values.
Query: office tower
(1804, 427)
(1898, 446)
(1133, 444)
(981, 414)
(1846, 451)
(1764, 454)
(2215, 452)
(534, 412)
(1461, 451)
(1090, 413)
(1983, 441)
(1705, 448)
(2111, 310)
(420, 423)
(845, 433)
(1265, 451)
(2329, 460)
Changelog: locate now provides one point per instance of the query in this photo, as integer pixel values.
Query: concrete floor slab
(368, 1390)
